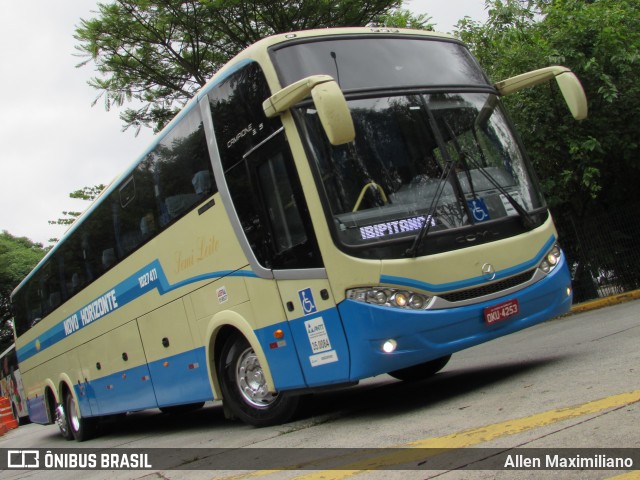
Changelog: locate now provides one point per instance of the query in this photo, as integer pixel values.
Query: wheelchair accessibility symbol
(307, 301)
(478, 209)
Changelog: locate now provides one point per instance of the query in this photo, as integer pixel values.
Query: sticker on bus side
(318, 336)
(323, 358)
(222, 294)
(307, 301)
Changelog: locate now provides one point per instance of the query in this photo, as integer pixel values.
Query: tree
(18, 255)
(157, 54)
(588, 168)
(85, 193)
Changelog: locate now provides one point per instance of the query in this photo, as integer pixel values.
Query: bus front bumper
(420, 336)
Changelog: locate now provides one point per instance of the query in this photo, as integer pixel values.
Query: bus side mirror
(329, 101)
(569, 84)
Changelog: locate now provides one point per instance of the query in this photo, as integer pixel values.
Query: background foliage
(588, 170)
(18, 255)
(154, 55)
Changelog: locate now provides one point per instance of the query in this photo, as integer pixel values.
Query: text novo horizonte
(98, 308)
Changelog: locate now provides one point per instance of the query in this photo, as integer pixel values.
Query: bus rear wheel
(63, 422)
(80, 428)
(421, 371)
(244, 387)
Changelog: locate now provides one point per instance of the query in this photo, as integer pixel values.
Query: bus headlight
(551, 260)
(389, 297)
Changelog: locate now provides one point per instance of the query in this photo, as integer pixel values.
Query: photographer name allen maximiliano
(593, 462)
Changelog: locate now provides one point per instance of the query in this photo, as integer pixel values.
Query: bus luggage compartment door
(116, 375)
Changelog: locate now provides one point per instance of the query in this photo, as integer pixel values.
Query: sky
(52, 141)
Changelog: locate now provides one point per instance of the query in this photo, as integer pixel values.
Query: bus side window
(181, 171)
(278, 194)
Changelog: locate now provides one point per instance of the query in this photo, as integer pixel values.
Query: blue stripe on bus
(183, 378)
(37, 410)
(151, 277)
(470, 282)
(179, 379)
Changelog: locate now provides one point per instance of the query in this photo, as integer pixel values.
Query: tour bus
(333, 205)
(11, 384)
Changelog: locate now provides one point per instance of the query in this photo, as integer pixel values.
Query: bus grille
(476, 292)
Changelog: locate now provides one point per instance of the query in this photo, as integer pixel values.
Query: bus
(333, 205)
(11, 384)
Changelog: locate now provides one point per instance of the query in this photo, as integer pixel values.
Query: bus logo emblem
(307, 301)
(488, 271)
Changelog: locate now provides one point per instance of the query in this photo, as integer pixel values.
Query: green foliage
(85, 193)
(155, 55)
(18, 255)
(88, 193)
(400, 18)
(586, 166)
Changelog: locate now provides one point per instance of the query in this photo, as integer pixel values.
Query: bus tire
(62, 420)
(244, 387)
(81, 429)
(421, 371)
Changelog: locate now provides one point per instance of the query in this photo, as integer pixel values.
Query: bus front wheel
(421, 371)
(244, 386)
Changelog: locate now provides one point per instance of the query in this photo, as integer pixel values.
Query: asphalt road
(571, 383)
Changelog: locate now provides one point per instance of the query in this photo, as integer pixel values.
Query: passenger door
(291, 250)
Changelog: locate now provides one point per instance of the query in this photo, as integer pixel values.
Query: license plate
(502, 311)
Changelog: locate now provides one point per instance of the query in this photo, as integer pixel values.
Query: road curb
(605, 302)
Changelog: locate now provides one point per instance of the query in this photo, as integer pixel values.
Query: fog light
(568, 291)
(389, 346)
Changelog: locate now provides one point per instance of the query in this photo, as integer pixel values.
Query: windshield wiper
(527, 220)
(462, 156)
(442, 182)
(430, 217)
(479, 124)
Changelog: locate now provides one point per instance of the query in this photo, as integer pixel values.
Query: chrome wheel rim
(61, 419)
(251, 380)
(74, 420)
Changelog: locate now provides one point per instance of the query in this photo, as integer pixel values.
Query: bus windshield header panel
(378, 62)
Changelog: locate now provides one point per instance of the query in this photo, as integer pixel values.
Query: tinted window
(260, 174)
(377, 62)
(238, 117)
(171, 181)
(180, 172)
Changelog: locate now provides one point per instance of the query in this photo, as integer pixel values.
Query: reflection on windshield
(394, 176)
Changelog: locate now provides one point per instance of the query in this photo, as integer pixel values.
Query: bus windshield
(439, 156)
